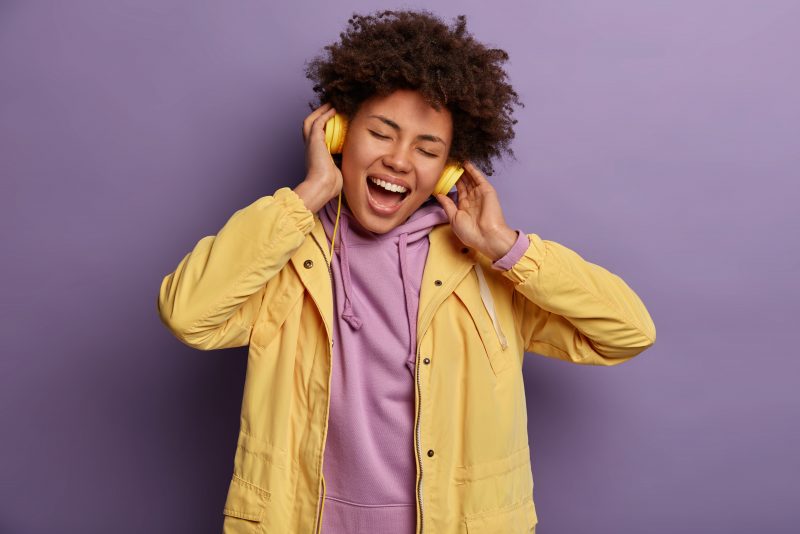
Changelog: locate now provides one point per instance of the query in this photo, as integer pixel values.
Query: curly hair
(390, 50)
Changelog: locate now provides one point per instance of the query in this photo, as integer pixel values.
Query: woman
(384, 391)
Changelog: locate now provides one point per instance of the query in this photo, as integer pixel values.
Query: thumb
(449, 206)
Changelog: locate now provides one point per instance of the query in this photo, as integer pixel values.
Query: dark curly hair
(390, 50)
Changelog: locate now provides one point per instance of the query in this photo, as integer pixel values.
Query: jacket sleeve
(574, 310)
(214, 295)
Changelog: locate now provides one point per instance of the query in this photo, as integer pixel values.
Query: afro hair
(390, 50)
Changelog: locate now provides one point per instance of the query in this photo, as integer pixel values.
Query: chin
(380, 224)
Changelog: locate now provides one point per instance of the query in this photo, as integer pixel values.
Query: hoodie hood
(383, 249)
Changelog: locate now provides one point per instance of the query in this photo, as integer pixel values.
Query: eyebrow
(424, 137)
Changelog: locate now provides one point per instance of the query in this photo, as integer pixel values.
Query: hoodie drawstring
(412, 335)
(488, 303)
(355, 322)
(347, 313)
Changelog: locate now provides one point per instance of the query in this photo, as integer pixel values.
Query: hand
(478, 219)
(323, 178)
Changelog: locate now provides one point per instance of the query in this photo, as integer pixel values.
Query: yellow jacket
(264, 281)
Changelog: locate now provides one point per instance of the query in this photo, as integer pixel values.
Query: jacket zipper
(419, 453)
(318, 524)
(419, 411)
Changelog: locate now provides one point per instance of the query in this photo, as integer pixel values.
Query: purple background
(660, 140)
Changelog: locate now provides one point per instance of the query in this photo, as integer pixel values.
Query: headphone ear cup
(335, 131)
(448, 179)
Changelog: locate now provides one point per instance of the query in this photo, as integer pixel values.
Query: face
(395, 150)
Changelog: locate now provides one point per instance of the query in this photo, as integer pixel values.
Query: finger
(473, 178)
(461, 188)
(320, 121)
(476, 174)
(449, 206)
(309, 120)
(320, 110)
(467, 180)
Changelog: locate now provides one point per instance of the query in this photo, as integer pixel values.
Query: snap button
(438, 282)
(430, 452)
(426, 361)
(308, 264)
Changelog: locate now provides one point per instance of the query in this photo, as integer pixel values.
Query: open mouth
(384, 194)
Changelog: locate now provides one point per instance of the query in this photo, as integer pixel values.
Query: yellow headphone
(335, 131)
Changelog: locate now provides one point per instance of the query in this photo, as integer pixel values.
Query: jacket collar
(446, 262)
(317, 277)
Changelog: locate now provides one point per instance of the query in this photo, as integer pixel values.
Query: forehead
(410, 111)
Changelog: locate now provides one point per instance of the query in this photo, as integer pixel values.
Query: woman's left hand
(478, 219)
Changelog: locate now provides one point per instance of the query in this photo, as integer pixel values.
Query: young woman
(384, 391)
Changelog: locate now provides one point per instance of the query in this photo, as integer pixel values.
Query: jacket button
(426, 361)
(464, 250)
(438, 282)
(430, 452)
(308, 264)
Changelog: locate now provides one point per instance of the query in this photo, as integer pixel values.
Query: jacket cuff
(514, 254)
(529, 262)
(296, 212)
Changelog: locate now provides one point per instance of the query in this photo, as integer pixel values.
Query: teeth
(386, 185)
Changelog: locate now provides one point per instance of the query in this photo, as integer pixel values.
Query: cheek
(356, 156)
(351, 170)
(428, 178)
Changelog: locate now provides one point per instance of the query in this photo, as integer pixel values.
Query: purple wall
(660, 140)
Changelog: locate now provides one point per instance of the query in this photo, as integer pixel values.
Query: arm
(565, 307)
(213, 297)
(574, 310)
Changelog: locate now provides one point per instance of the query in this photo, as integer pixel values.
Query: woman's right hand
(323, 178)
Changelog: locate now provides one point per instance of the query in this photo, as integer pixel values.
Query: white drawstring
(488, 303)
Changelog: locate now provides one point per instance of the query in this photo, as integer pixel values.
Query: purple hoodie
(370, 476)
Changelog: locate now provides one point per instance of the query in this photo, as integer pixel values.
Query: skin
(402, 136)
(374, 147)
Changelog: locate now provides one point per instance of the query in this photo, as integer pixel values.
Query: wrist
(311, 196)
(501, 243)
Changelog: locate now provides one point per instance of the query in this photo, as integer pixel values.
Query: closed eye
(381, 136)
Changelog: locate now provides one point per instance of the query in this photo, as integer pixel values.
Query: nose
(397, 160)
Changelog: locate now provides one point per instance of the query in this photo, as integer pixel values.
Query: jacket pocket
(244, 506)
(468, 293)
(279, 300)
(519, 518)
